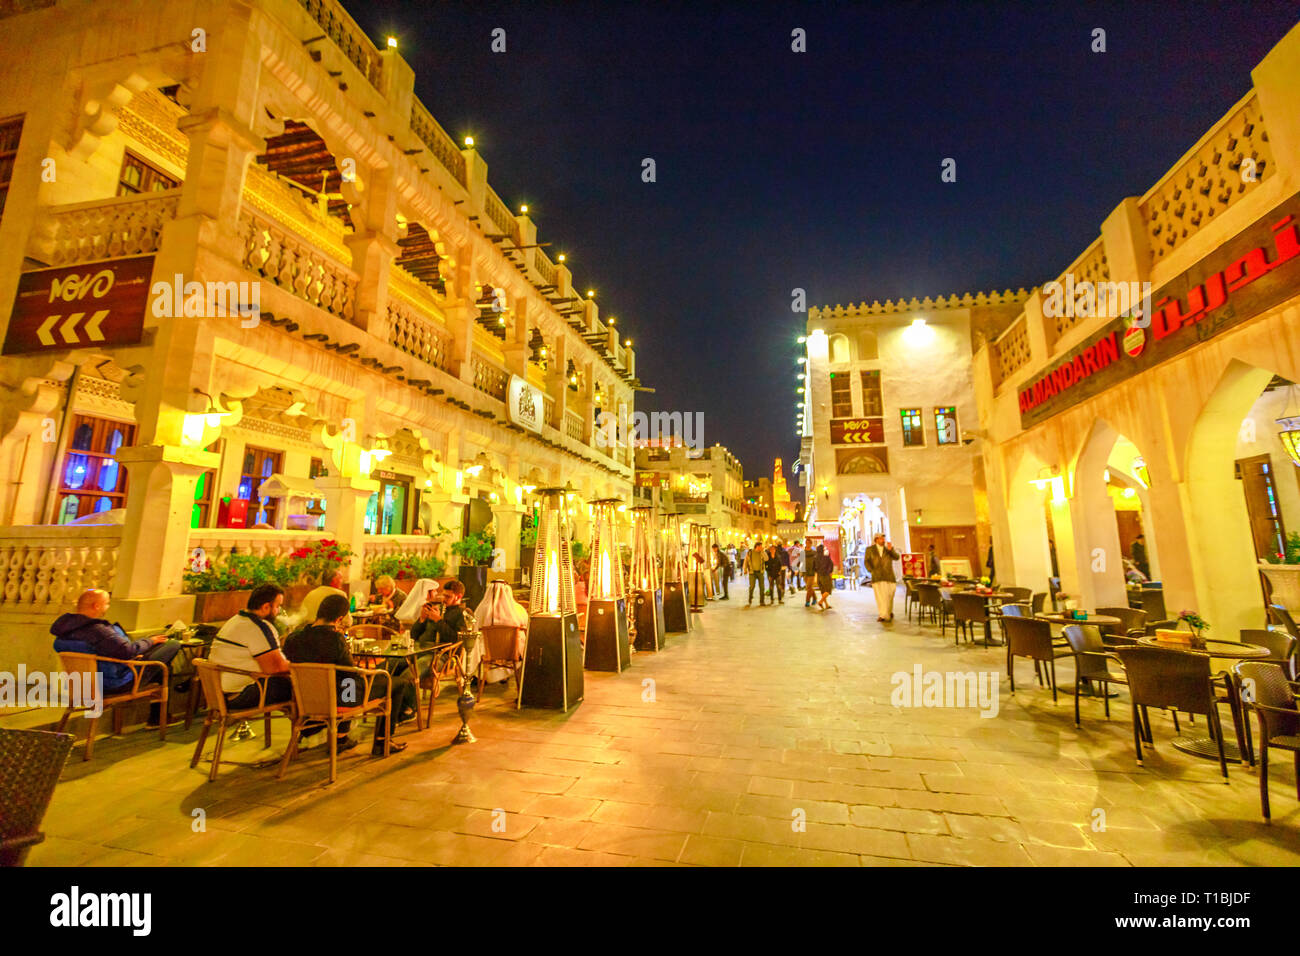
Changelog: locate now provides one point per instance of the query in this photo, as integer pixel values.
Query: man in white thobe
(879, 562)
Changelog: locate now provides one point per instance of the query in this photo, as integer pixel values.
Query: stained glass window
(913, 429)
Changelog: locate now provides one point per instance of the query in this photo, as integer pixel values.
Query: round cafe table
(1204, 745)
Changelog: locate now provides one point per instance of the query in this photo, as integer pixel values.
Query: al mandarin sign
(77, 307)
(1252, 272)
(857, 431)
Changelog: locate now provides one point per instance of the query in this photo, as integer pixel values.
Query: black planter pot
(474, 577)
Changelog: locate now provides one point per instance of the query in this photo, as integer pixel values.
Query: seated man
(331, 583)
(87, 632)
(322, 643)
(387, 594)
(250, 642)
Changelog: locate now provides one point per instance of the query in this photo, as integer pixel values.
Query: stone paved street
(756, 715)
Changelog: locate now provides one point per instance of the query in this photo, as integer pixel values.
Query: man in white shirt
(248, 641)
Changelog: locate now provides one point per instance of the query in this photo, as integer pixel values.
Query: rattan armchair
(1170, 679)
(1091, 663)
(501, 648)
(968, 610)
(1032, 638)
(930, 599)
(1272, 697)
(1131, 626)
(448, 664)
(315, 698)
(87, 665)
(1281, 646)
(209, 675)
(30, 764)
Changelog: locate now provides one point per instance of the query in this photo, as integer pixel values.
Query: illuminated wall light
(392, 43)
(560, 257)
(523, 210)
(469, 142)
(802, 360)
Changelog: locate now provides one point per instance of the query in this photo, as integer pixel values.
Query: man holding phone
(879, 562)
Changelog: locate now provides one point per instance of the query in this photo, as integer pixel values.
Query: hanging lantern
(647, 597)
(552, 672)
(1290, 422)
(697, 556)
(676, 595)
(605, 647)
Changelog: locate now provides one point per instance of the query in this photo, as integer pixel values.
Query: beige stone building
(246, 279)
(704, 485)
(1188, 418)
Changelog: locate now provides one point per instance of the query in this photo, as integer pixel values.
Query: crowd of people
(775, 570)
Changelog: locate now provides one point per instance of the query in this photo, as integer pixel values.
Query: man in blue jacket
(88, 632)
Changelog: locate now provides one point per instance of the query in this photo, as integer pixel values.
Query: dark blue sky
(818, 170)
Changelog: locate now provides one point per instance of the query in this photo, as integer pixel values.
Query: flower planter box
(1285, 579)
(213, 606)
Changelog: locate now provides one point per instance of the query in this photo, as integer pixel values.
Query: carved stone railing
(1209, 180)
(489, 379)
(440, 144)
(347, 36)
(418, 335)
(1011, 351)
(277, 201)
(103, 229)
(548, 411)
(1092, 266)
(45, 567)
(573, 425)
(544, 266)
(500, 215)
(296, 266)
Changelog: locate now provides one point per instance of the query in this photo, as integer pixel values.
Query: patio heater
(647, 597)
(676, 595)
(605, 647)
(552, 672)
(699, 565)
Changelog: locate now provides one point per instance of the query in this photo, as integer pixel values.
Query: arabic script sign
(78, 307)
(1250, 273)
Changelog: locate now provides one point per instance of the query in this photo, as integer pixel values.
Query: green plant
(406, 566)
(475, 548)
(579, 550)
(240, 572)
(311, 562)
(528, 537)
(1197, 622)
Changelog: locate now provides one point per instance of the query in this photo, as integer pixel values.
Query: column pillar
(156, 535)
(346, 498)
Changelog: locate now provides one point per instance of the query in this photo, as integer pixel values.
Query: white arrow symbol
(92, 327)
(43, 333)
(69, 328)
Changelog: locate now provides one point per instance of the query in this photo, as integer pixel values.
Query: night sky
(818, 170)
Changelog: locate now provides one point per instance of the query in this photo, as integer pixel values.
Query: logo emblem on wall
(1134, 341)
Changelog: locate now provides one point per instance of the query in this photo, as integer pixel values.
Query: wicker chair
(87, 664)
(910, 598)
(1032, 638)
(1037, 602)
(1281, 617)
(968, 609)
(30, 764)
(1153, 604)
(371, 632)
(930, 598)
(315, 698)
(1019, 595)
(209, 675)
(1131, 626)
(1273, 698)
(1091, 657)
(1164, 678)
(448, 664)
(1281, 646)
(501, 648)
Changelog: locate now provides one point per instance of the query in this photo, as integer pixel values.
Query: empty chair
(1091, 663)
(910, 598)
(1132, 624)
(30, 764)
(1281, 646)
(371, 632)
(1032, 638)
(1283, 619)
(930, 599)
(1019, 595)
(967, 611)
(1039, 600)
(1273, 698)
(1153, 604)
(1170, 679)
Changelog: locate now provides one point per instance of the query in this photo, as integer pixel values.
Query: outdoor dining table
(1204, 745)
(999, 596)
(383, 651)
(1063, 619)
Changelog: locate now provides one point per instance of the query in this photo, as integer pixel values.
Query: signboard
(1248, 274)
(76, 307)
(914, 566)
(857, 431)
(525, 404)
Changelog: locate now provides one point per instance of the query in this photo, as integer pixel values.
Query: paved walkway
(766, 736)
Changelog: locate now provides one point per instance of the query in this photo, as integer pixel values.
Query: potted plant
(404, 567)
(222, 592)
(1282, 568)
(307, 565)
(475, 553)
(1197, 624)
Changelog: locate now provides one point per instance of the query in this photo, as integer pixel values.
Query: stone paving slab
(764, 737)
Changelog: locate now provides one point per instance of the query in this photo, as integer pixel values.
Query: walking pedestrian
(796, 566)
(775, 575)
(879, 561)
(825, 581)
(755, 564)
(722, 569)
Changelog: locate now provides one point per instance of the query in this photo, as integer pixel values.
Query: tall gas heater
(677, 616)
(606, 644)
(552, 672)
(647, 597)
(697, 556)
